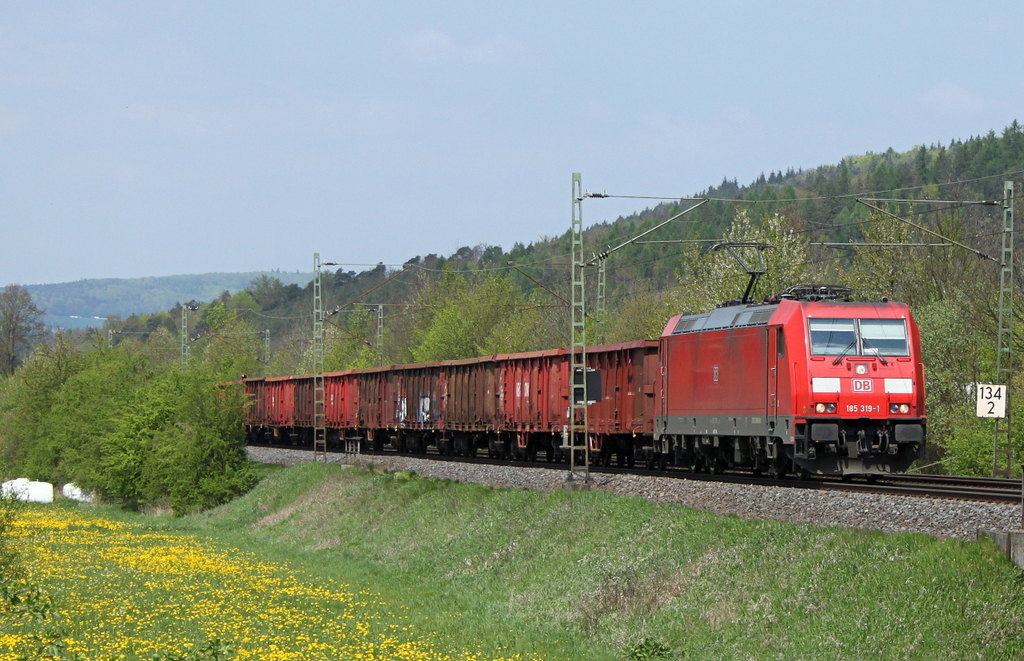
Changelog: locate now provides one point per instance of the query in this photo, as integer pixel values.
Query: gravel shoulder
(942, 518)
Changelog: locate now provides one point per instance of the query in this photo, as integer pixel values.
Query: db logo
(862, 385)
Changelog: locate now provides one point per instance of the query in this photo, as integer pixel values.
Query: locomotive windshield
(859, 337)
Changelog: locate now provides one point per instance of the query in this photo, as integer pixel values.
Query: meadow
(326, 562)
(127, 591)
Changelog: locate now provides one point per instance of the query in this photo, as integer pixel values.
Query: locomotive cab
(859, 406)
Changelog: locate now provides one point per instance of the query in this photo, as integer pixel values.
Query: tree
(463, 324)
(20, 326)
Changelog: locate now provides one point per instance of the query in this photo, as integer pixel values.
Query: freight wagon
(512, 405)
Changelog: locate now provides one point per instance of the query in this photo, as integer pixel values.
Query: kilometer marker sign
(991, 400)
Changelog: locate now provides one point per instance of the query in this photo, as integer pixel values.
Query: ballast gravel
(939, 517)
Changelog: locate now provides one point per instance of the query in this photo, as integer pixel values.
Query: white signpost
(991, 400)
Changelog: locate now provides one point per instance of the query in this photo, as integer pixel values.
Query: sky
(159, 138)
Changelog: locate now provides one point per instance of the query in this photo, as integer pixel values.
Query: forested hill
(822, 202)
(121, 296)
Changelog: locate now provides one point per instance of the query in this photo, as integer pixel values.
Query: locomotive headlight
(860, 369)
(831, 408)
(899, 408)
(819, 407)
(904, 408)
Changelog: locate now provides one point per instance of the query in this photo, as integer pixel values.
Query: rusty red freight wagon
(271, 414)
(513, 404)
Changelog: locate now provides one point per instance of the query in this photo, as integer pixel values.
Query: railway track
(953, 487)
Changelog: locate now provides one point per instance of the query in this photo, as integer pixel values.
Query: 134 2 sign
(991, 400)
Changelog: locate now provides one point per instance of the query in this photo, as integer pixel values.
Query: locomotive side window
(858, 337)
(885, 337)
(832, 337)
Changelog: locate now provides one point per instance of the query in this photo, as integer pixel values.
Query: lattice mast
(578, 427)
(379, 348)
(1002, 457)
(319, 395)
(185, 346)
(599, 308)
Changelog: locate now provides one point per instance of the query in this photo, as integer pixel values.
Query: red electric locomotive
(806, 382)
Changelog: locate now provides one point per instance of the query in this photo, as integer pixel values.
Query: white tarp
(17, 488)
(72, 491)
(24, 489)
(40, 492)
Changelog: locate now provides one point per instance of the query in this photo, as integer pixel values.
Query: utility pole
(266, 347)
(186, 346)
(380, 336)
(1002, 456)
(578, 425)
(600, 307)
(319, 398)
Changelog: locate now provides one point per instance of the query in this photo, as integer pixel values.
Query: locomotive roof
(733, 316)
(759, 314)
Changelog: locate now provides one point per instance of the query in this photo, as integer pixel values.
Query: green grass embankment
(589, 575)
